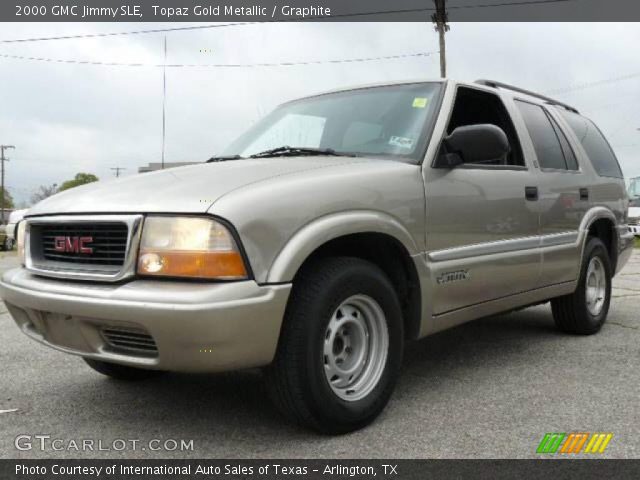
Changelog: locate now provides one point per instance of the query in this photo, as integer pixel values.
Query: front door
(482, 219)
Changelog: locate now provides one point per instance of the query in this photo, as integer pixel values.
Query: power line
(595, 83)
(214, 65)
(130, 32)
(242, 24)
(507, 4)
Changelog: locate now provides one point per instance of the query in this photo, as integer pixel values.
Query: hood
(191, 189)
(634, 212)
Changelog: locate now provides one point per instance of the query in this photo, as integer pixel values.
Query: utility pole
(164, 98)
(4, 195)
(118, 170)
(440, 20)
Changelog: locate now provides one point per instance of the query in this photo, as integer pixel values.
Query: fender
(592, 215)
(329, 227)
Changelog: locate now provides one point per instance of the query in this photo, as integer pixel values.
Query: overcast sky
(66, 118)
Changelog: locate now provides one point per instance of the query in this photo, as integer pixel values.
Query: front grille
(109, 243)
(634, 222)
(130, 340)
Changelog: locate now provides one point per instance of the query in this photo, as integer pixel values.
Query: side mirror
(483, 143)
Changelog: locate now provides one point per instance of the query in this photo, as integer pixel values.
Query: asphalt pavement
(488, 389)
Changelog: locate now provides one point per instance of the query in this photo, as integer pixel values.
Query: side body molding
(561, 256)
(329, 227)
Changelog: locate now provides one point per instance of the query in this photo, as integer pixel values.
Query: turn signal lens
(189, 247)
(20, 240)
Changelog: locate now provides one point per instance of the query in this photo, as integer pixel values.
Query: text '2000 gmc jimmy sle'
(332, 232)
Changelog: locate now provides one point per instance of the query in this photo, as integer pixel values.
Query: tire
(8, 244)
(332, 297)
(121, 372)
(584, 311)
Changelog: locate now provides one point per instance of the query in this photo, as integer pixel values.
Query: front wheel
(340, 350)
(584, 311)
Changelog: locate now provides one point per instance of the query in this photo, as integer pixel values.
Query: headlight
(189, 247)
(20, 238)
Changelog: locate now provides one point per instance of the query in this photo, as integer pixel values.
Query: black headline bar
(318, 469)
(317, 10)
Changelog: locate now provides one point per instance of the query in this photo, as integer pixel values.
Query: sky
(67, 118)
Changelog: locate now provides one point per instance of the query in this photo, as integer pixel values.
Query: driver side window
(474, 107)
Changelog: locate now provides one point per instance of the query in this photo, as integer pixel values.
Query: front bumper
(635, 229)
(197, 327)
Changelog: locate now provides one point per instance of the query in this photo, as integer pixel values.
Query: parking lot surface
(491, 388)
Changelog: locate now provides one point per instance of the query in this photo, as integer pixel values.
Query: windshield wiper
(224, 159)
(287, 151)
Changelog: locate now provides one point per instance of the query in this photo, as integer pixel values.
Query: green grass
(636, 242)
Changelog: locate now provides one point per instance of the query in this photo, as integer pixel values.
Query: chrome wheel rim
(356, 344)
(596, 286)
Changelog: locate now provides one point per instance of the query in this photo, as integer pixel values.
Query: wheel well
(389, 255)
(604, 229)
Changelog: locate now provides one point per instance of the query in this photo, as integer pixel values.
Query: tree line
(45, 191)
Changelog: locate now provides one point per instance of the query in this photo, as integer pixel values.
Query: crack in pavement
(623, 326)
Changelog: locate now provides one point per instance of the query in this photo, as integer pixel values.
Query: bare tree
(43, 192)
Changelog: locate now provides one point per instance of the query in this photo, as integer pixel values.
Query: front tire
(121, 372)
(584, 311)
(340, 349)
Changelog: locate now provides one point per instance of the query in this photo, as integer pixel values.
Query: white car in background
(634, 206)
(10, 229)
(634, 219)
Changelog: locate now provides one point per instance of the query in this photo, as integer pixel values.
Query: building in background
(152, 167)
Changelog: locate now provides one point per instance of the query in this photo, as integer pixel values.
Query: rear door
(563, 190)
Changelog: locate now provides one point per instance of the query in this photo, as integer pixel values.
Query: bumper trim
(237, 323)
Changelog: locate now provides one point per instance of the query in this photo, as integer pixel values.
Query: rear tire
(340, 350)
(121, 372)
(584, 311)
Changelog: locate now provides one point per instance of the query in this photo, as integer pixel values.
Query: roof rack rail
(493, 83)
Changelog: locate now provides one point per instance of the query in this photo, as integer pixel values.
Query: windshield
(392, 121)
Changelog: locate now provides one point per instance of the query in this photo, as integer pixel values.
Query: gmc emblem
(73, 245)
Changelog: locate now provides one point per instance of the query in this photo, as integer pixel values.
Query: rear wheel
(341, 346)
(8, 244)
(584, 311)
(121, 372)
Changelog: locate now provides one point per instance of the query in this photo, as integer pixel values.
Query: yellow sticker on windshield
(420, 102)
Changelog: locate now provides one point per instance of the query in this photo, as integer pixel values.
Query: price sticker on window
(420, 102)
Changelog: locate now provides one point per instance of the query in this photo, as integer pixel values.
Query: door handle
(531, 193)
(584, 194)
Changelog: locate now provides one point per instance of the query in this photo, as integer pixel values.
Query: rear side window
(543, 135)
(569, 156)
(602, 157)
